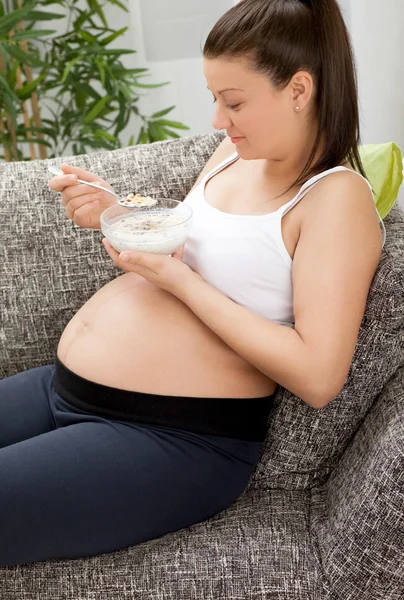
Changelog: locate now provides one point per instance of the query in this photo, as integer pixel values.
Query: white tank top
(244, 256)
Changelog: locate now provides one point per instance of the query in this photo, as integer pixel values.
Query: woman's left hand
(167, 272)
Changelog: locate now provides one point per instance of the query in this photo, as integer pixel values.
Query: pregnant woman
(154, 414)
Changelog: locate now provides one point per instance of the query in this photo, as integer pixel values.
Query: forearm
(276, 350)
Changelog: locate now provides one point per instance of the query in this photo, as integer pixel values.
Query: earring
(297, 107)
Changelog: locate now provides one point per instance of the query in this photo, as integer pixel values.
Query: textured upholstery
(320, 518)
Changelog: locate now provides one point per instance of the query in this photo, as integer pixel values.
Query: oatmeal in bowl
(133, 200)
(157, 225)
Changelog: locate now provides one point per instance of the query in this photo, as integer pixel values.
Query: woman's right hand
(83, 203)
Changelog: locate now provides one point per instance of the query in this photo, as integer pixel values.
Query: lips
(236, 139)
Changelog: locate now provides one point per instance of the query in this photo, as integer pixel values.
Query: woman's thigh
(96, 486)
(24, 405)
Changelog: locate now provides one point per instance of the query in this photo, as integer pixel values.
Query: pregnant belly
(135, 336)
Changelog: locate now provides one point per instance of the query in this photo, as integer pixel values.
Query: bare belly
(135, 336)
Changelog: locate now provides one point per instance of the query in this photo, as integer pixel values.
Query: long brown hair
(280, 38)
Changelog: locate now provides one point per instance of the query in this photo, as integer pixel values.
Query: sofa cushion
(357, 516)
(242, 552)
(383, 164)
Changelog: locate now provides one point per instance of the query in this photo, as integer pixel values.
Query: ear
(301, 88)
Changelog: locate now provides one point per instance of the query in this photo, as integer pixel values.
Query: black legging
(80, 479)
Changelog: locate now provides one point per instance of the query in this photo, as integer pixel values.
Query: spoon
(56, 171)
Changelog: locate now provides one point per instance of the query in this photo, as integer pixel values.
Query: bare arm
(334, 264)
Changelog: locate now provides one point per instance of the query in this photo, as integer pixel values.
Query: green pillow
(383, 164)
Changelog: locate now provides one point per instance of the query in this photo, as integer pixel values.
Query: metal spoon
(56, 171)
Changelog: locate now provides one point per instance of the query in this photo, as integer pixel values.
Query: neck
(285, 170)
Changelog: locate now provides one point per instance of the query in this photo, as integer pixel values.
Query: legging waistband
(241, 418)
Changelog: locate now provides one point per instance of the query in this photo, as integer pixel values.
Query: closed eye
(232, 107)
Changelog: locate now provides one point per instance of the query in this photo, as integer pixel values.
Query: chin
(246, 152)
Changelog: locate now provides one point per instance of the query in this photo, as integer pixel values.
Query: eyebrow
(228, 90)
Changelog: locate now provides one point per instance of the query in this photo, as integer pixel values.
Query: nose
(221, 119)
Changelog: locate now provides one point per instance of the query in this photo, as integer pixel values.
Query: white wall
(377, 33)
(182, 63)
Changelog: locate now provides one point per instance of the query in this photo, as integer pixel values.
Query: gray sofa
(322, 517)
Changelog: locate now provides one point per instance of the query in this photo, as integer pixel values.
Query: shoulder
(342, 199)
(224, 150)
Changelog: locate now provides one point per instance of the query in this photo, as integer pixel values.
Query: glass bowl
(160, 229)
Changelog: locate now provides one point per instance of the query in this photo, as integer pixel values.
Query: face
(263, 116)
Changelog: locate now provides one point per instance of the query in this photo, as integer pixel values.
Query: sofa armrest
(358, 525)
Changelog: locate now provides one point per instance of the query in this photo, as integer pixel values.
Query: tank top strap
(227, 161)
(306, 187)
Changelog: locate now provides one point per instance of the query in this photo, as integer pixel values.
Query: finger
(126, 266)
(111, 251)
(178, 254)
(76, 204)
(80, 173)
(77, 192)
(60, 182)
(148, 260)
(83, 215)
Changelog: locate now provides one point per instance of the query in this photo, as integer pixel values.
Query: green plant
(90, 94)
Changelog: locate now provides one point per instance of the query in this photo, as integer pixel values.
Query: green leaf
(32, 34)
(9, 98)
(97, 8)
(26, 91)
(131, 141)
(87, 36)
(144, 137)
(126, 119)
(174, 124)
(49, 132)
(80, 20)
(94, 143)
(162, 113)
(23, 57)
(69, 67)
(80, 98)
(119, 70)
(4, 54)
(150, 85)
(105, 134)
(154, 131)
(106, 111)
(101, 69)
(48, 121)
(117, 3)
(37, 15)
(8, 21)
(7, 90)
(172, 133)
(94, 112)
(34, 140)
(126, 91)
(117, 52)
(119, 123)
(113, 36)
(12, 75)
(87, 89)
